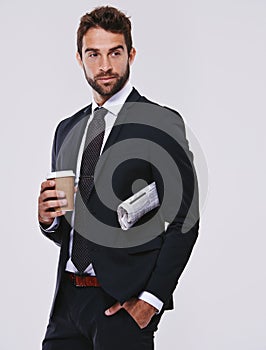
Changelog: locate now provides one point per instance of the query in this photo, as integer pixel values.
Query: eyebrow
(110, 50)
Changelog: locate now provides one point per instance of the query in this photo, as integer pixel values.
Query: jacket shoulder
(64, 127)
(166, 108)
(170, 115)
(67, 124)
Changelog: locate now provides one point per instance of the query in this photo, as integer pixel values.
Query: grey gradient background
(204, 58)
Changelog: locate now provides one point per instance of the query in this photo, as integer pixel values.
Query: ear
(79, 59)
(132, 55)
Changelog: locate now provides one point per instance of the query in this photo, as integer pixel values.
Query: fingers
(113, 309)
(48, 184)
(52, 194)
(51, 203)
(139, 310)
(47, 219)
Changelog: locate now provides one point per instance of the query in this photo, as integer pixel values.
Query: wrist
(148, 305)
(152, 300)
(45, 222)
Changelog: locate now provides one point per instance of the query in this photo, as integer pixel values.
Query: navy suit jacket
(156, 264)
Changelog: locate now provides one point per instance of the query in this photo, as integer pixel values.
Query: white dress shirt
(113, 105)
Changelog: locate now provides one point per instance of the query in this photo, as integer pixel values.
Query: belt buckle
(79, 281)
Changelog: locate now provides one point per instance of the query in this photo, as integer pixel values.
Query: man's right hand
(49, 199)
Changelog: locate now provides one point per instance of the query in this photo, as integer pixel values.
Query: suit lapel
(133, 97)
(68, 153)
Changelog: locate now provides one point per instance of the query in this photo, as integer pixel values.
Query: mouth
(106, 78)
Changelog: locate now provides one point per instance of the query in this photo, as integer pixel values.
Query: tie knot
(99, 113)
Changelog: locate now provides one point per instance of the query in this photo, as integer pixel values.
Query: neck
(100, 99)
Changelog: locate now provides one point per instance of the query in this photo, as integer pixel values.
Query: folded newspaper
(132, 209)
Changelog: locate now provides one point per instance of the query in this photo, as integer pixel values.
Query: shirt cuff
(152, 300)
(52, 227)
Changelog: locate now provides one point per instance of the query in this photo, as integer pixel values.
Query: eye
(92, 54)
(116, 53)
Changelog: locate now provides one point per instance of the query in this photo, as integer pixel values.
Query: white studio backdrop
(207, 60)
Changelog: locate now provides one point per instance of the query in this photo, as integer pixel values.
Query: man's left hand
(138, 309)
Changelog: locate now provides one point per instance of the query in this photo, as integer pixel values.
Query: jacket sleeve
(181, 213)
(54, 232)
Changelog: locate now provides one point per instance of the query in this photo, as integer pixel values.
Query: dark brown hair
(107, 18)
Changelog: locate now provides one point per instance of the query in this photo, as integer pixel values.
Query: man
(112, 285)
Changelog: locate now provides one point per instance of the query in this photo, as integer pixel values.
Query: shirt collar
(115, 103)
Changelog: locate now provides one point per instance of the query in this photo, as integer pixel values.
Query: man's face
(105, 62)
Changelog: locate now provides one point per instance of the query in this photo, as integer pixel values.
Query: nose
(105, 64)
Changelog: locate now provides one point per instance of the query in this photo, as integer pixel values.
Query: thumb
(113, 309)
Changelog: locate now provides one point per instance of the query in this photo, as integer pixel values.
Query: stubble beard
(108, 89)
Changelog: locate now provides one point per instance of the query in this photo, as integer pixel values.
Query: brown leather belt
(83, 280)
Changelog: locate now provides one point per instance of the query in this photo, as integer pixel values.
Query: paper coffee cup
(64, 181)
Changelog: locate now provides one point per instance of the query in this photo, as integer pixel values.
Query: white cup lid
(63, 173)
